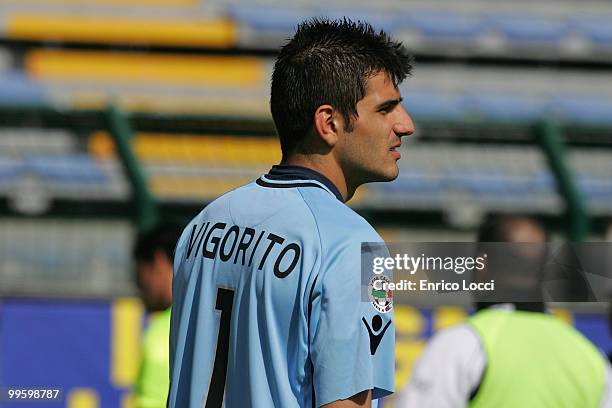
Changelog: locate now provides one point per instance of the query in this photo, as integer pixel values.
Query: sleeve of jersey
(352, 344)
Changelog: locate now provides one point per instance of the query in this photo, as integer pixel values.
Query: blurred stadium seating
(193, 77)
(214, 59)
(474, 149)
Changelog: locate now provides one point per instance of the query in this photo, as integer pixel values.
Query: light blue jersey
(267, 308)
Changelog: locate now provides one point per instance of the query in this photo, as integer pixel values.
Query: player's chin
(393, 175)
(389, 173)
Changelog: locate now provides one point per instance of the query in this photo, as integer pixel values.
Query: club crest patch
(381, 299)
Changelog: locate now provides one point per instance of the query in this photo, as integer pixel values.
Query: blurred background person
(153, 252)
(509, 354)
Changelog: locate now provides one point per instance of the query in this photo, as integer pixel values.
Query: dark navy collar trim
(263, 183)
(289, 173)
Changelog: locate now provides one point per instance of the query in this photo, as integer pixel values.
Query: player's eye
(388, 107)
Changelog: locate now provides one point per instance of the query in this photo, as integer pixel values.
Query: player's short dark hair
(499, 227)
(163, 237)
(329, 62)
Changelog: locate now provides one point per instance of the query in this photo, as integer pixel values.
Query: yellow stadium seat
(120, 30)
(191, 150)
(204, 188)
(129, 68)
(144, 3)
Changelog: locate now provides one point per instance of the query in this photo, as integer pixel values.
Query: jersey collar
(291, 173)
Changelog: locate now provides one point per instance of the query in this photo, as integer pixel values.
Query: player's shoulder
(214, 209)
(457, 346)
(462, 335)
(278, 209)
(237, 194)
(221, 203)
(335, 218)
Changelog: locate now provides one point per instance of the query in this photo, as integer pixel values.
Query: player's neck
(326, 167)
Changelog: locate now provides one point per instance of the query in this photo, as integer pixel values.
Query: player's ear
(326, 124)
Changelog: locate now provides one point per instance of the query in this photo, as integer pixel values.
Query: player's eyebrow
(388, 104)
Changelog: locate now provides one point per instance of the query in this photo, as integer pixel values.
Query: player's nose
(404, 125)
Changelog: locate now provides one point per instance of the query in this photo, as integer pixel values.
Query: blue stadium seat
(542, 182)
(527, 28)
(433, 104)
(595, 109)
(379, 20)
(268, 18)
(444, 25)
(597, 29)
(10, 169)
(488, 183)
(18, 88)
(414, 181)
(595, 189)
(70, 169)
(504, 106)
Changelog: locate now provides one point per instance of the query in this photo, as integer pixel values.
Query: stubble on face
(368, 153)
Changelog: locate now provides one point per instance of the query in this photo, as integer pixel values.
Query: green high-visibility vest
(535, 360)
(151, 390)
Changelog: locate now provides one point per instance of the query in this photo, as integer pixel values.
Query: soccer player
(510, 354)
(153, 253)
(267, 305)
